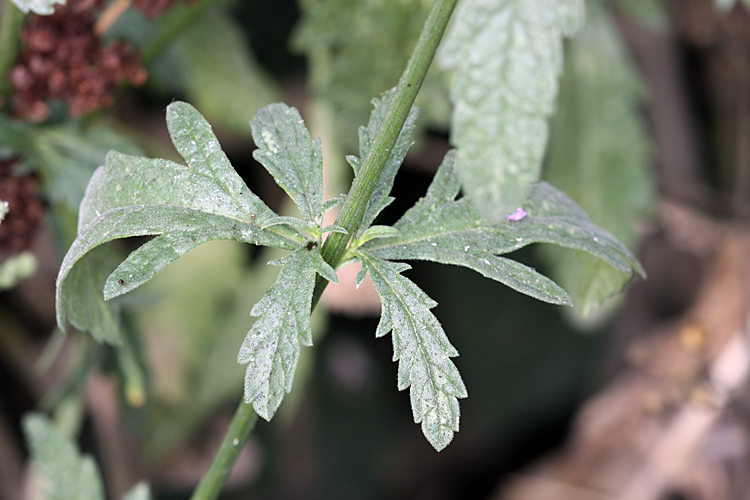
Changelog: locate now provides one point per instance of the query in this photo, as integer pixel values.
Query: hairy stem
(354, 208)
(350, 218)
(237, 435)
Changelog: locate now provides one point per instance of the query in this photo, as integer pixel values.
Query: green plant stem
(354, 208)
(350, 218)
(237, 435)
(10, 22)
(173, 28)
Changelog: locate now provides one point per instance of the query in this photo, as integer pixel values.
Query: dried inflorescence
(25, 209)
(63, 59)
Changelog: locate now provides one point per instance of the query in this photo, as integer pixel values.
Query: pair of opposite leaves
(185, 205)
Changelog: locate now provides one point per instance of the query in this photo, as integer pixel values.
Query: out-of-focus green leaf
(599, 154)
(441, 229)
(3, 210)
(220, 73)
(66, 155)
(421, 348)
(65, 473)
(16, 268)
(507, 56)
(651, 13)
(291, 157)
(184, 205)
(40, 7)
(271, 348)
(358, 49)
(380, 199)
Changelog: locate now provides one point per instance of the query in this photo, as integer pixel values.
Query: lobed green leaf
(440, 228)
(507, 56)
(380, 199)
(65, 473)
(271, 348)
(185, 205)
(291, 157)
(421, 348)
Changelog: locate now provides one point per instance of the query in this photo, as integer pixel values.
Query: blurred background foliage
(621, 143)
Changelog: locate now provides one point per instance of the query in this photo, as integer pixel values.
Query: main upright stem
(349, 218)
(355, 205)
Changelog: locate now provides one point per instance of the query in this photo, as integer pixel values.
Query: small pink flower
(519, 214)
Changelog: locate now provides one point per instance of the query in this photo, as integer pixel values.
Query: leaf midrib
(251, 222)
(415, 328)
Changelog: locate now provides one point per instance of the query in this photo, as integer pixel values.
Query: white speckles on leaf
(269, 142)
(291, 157)
(272, 346)
(422, 350)
(463, 237)
(182, 205)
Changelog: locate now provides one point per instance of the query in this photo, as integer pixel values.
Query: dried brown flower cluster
(63, 59)
(25, 209)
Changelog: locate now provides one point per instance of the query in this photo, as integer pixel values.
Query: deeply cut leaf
(599, 154)
(295, 161)
(185, 205)
(440, 228)
(507, 55)
(421, 348)
(272, 346)
(65, 474)
(380, 199)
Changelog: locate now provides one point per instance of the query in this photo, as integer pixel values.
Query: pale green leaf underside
(293, 159)
(599, 154)
(380, 199)
(441, 229)
(3, 210)
(65, 473)
(83, 301)
(271, 348)
(507, 56)
(421, 348)
(186, 204)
